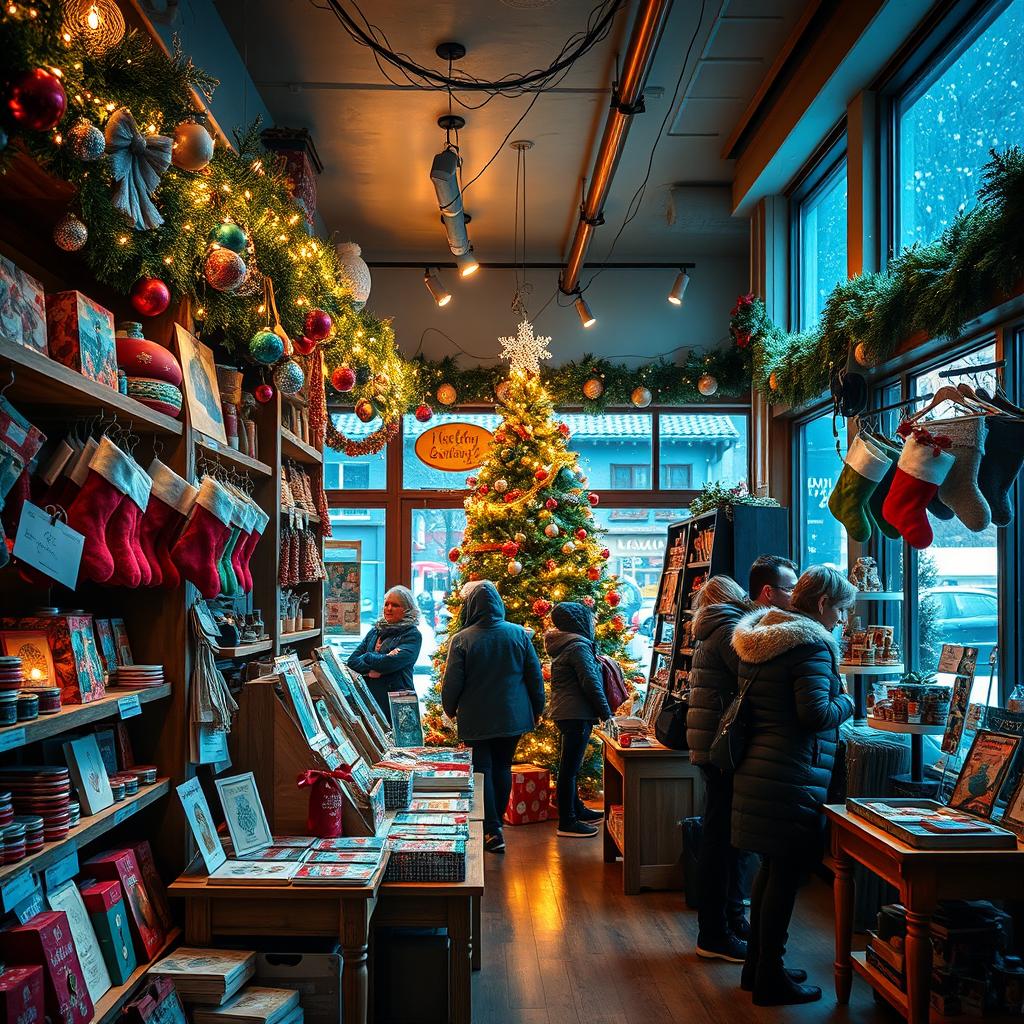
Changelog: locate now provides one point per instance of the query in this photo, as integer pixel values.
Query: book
(206, 975)
(278, 853)
(88, 773)
(423, 805)
(253, 1005)
(408, 818)
(336, 874)
(154, 883)
(405, 718)
(343, 857)
(157, 1003)
(94, 968)
(301, 842)
(244, 814)
(893, 957)
(892, 976)
(351, 843)
(200, 820)
(109, 918)
(254, 872)
(902, 818)
(121, 865)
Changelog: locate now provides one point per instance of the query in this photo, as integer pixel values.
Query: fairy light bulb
(93, 18)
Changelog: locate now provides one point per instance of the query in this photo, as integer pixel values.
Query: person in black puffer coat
(794, 707)
(721, 868)
(577, 702)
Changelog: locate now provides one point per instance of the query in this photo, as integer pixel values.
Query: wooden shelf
(688, 651)
(91, 827)
(613, 837)
(244, 650)
(910, 728)
(41, 380)
(302, 634)
(74, 715)
(869, 670)
(311, 517)
(239, 459)
(295, 448)
(698, 565)
(109, 1005)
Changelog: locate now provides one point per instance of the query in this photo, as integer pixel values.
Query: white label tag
(213, 745)
(129, 706)
(51, 547)
(11, 738)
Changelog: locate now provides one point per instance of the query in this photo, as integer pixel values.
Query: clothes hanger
(948, 393)
(1003, 403)
(972, 396)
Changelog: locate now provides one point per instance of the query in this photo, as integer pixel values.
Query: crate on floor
(530, 801)
(316, 976)
(410, 975)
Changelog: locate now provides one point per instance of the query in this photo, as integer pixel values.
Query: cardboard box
(81, 335)
(316, 977)
(22, 307)
(65, 654)
(121, 866)
(21, 995)
(530, 801)
(109, 917)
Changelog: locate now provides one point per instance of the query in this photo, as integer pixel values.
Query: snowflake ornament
(525, 351)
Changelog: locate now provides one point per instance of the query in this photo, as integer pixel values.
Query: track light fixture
(583, 312)
(438, 292)
(679, 288)
(467, 264)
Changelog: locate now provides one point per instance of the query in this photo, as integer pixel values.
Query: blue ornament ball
(229, 235)
(266, 347)
(289, 378)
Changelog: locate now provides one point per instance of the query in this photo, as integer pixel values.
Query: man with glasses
(772, 579)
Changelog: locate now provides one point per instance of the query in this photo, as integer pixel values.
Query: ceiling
(377, 140)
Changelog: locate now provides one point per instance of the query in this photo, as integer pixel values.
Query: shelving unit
(298, 635)
(239, 459)
(295, 448)
(110, 1004)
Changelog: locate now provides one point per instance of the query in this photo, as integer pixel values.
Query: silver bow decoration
(137, 162)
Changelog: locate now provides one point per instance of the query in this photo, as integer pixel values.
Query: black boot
(774, 987)
(749, 973)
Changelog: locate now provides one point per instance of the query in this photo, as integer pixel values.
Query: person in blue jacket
(494, 690)
(386, 655)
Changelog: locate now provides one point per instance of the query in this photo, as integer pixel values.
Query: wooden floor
(562, 945)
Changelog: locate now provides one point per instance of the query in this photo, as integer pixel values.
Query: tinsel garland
(318, 418)
(369, 445)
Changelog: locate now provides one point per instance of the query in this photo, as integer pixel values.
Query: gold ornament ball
(446, 394)
(520, 538)
(551, 530)
(515, 568)
(593, 389)
(501, 485)
(641, 397)
(193, 146)
(568, 548)
(860, 353)
(364, 410)
(773, 381)
(543, 514)
(707, 385)
(502, 390)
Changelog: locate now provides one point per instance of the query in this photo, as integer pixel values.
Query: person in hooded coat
(577, 702)
(494, 690)
(794, 706)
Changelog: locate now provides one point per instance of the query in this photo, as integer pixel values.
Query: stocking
(1004, 455)
(248, 517)
(130, 566)
(225, 570)
(202, 540)
(170, 502)
(242, 566)
(960, 489)
(110, 476)
(922, 467)
(863, 469)
(879, 494)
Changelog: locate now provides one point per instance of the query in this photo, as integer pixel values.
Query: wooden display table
(923, 877)
(657, 788)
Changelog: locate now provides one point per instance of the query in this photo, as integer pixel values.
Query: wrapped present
(22, 307)
(57, 650)
(109, 917)
(81, 335)
(157, 1003)
(21, 995)
(147, 930)
(531, 795)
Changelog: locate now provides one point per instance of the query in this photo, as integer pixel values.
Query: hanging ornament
(551, 504)
(541, 475)
(510, 549)
(150, 296)
(364, 410)
(588, 601)
(381, 384)
(520, 539)
(193, 146)
(446, 394)
(318, 325)
(563, 429)
(515, 568)
(289, 378)
(304, 346)
(501, 485)
(773, 381)
(618, 623)
(568, 548)
(543, 515)
(86, 141)
(593, 574)
(70, 233)
(613, 597)
(343, 379)
(501, 391)
(137, 163)
(454, 555)
(580, 475)
(551, 530)
(483, 489)
(265, 347)
(355, 274)
(264, 393)
(593, 389)
(605, 554)
(551, 565)
(541, 607)
(525, 351)
(228, 235)
(224, 270)
(707, 385)
(506, 454)
(641, 397)
(863, 357)
(424, 413)
(581, 534)
(594, 499)
(37, 100)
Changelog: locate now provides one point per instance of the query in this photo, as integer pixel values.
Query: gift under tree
(530, 530)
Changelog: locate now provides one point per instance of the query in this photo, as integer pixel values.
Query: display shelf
(686, 651)
(237, 458)
(879, 595)
(74, 715)
(109, 1005)
(243, 650)
(845, 668)
(91, 827)
(302, 634)
(295, 448)
(43, 381)
(698, 565)
(910, 728)
(613, 837)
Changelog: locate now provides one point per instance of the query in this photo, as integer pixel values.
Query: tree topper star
(525, 350)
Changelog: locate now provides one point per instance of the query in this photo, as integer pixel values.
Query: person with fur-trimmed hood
(793, 708)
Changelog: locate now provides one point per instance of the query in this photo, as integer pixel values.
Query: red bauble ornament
(303, 345)
(618, 623)
(593, 573)
(605, 554)
(424, 413)
(545, 672)
(541, 607)
(474, 575)
(510, 496)
(588, 601)
(264, 393)
(581, 534)
(613, 597)
(551, 565)
(514, 494)
(563, 429)
(317, 325)
(541, 474)
(454, 555)
(551, 504)
(343, 379)
(37, 100)
(150, 296)
(471, 481)
(510, 549)
(500, 436)
(483, 489)
(594, 499)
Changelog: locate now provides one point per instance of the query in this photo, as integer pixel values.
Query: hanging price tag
(12, 738)
(17, 889)
(49, 545)
(129, 706)
(65, 868)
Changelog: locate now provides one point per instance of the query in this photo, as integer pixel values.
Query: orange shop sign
(455, 447)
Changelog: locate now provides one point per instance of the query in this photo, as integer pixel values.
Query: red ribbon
(311, 775)
(937, 442)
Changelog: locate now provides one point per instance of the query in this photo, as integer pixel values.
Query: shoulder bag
(729, 746)
(670, 725)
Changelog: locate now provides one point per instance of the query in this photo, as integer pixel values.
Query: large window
(697, 449)
(615, 449)
(968, 104)
(818, 465)
(354, 473)
(447, 437)
(821, 244)
(355, 559)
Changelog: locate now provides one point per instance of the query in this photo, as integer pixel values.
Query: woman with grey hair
(794, 705)
(387, 654)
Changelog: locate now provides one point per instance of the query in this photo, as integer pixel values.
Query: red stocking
(241, 564)
(169, 502)
(923, 465)
(130, 566)
(202, 541)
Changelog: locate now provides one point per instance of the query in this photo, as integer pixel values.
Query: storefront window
(354, 591)
(697, 449)
(614, 449)
(822, 537)
(822, 244)
(363, 473)
(457, 439)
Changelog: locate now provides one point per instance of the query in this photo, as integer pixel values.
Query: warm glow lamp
(583, 312)
(438, 292)
(467, 264)
(679, 288)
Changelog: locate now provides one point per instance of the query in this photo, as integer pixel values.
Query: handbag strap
(741, 696)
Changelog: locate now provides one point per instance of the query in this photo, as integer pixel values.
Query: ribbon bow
(312, 775)
(137, 163)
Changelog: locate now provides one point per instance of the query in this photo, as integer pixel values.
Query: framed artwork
(36, 658)
(405, 714)
(122, 647)
(287, 666)
(200, 385)
(108, 648)
(244, 814)
(89, 773)
(983, 772)
(200, 820)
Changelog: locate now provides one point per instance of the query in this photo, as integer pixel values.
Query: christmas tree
(530, 530)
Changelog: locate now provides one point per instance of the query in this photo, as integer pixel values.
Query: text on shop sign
(455, 447)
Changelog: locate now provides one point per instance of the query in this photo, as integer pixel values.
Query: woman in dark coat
(387, 654)
(722, 928)
(794, 707)
(494, 690)
(577, 702)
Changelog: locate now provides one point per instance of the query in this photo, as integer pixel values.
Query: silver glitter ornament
(289, 378)
(70, 233)
(86, 141)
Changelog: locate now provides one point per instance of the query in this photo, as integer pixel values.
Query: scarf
(407, 621)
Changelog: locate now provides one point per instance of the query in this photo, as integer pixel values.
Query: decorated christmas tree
(530, 530)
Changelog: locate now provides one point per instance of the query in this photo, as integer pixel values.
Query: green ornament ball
(229, 235)
(266, 347)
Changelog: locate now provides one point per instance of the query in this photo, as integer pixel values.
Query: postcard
(200, 820)
(983, 772)
(244, 814)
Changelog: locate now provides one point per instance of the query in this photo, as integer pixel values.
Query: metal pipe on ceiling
(627, 101)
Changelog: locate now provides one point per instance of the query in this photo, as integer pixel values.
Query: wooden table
(923, 877)
(329, 911)
(657, 787)
(454, 906)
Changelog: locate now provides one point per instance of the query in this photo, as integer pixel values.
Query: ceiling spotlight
(679, 288)
(583, 311)
(444, 175)
(438, 292)
(467, 264)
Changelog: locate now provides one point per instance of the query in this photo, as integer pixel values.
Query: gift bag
(326, 801)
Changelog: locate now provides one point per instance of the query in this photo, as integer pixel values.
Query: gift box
(121, 865)
(22, 307)
(530, 801)
(81, 335)
(21, 995)
(154, 883)
(157, 1003)
(46, 940)
(109, 917)
(57, 650)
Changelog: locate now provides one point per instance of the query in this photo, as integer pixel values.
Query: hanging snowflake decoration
(525, 351)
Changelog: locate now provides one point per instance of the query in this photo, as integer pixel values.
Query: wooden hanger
(946, 394)
(972, 396)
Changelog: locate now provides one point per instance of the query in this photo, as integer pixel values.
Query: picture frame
(200, 820)
(983, 773)
(1013, 816)
(202, 393)
(122, 645)
(33, 647)
(405, 714)
(244, 814)
(89, 773)
(957, 716)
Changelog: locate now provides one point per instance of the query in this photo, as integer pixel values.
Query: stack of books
(254, 1005)
(346, 861)
(615, 825)
(208, 976)
(887, 958)
(627, 725)
(439, 805)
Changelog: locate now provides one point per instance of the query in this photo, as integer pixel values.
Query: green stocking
(865, 466)
(228, 579)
